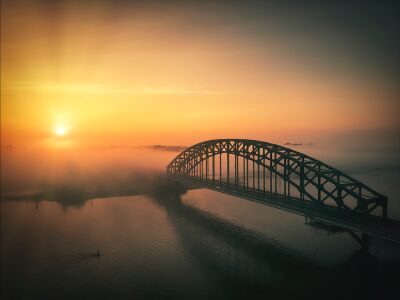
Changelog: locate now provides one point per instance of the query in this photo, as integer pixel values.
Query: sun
(60, 130)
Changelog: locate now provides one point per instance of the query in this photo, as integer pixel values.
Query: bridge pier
(384, 208)
(363, 239)
(168, 187)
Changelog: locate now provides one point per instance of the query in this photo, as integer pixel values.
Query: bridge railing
(275, 169)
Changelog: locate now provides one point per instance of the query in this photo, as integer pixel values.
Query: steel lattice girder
(293, 163)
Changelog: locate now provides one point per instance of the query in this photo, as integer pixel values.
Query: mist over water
(72, 175)
(61, 205)
(98, 97)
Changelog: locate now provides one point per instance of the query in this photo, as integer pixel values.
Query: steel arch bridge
(277, 176)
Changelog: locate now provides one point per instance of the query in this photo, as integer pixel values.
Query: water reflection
(229, 253)
(253, 259)
(162, 247)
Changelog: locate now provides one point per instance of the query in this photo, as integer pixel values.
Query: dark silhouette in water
(72, 194)
(87, 256)
(260, 265)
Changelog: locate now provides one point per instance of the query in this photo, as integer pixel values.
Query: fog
(71, 175)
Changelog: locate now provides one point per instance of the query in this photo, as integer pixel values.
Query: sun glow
(60, 130)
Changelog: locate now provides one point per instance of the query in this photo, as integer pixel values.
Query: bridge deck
(370, 225)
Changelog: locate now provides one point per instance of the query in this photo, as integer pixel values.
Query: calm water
(202, 245)
(205, 244)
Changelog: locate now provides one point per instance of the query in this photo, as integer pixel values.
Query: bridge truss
(275, 171)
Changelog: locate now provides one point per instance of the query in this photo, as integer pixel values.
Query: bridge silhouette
(256, 261)
(289, 180)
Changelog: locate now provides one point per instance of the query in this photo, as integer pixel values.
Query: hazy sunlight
(60, 130)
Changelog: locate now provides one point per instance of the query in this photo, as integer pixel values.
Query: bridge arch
(285, 173)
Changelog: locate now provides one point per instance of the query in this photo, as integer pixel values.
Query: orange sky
(122, 75)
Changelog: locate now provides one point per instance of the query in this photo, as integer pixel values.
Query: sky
(133, 73)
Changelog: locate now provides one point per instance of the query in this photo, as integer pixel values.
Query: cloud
(170, 148)
(105, 88)
(220, 113)
(167, 148)
(299, 144)
(174, 90)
